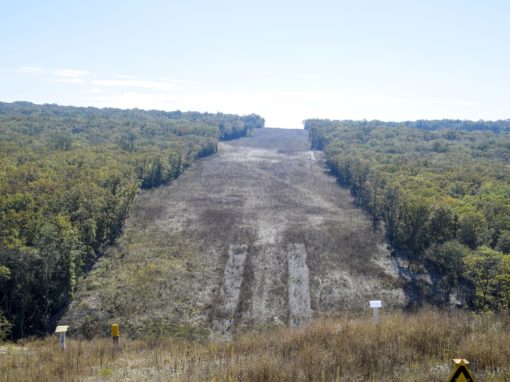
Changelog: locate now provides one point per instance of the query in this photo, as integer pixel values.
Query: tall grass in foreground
(404, 347)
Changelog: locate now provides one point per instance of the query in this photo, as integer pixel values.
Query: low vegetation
(442, 191)
(403, 347)
(68, 177)
(265, 201)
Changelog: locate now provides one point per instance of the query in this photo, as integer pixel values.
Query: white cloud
(181, 82)
(124, 76)
(30, 69)
(71, 73)
(134, 99)
(363, 99)
(69, 80)
(140, 84)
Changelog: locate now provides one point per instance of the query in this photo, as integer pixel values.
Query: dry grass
(417, 347)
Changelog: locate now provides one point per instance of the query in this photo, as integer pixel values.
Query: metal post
(375, 305)
(63, 340)
(61, 331)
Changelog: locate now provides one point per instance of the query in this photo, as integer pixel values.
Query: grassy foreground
(404, 347)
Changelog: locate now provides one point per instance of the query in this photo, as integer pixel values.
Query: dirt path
(298, 285)
(230, 290)
(259, 234)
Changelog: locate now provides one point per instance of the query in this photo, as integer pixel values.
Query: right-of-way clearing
(257, 235)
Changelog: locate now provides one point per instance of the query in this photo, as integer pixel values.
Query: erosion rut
(258, 234)
(298, 284)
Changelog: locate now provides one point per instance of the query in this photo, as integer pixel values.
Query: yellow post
(115, 335)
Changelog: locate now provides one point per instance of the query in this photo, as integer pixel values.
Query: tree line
(440, 189)
(68, 178)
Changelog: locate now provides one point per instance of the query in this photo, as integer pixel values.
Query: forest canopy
(441, 189)
(68, 177)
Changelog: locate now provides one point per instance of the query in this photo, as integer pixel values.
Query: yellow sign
(461, 372)
(61, 329)
(115, 330)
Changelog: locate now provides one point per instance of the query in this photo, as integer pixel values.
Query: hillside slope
(68, 177)
(258, 234)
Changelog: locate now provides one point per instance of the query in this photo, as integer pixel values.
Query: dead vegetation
(404, 347)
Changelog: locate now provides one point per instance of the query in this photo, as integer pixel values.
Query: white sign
(376, 304)
(61, 330)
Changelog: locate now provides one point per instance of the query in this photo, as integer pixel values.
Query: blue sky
(285, 60)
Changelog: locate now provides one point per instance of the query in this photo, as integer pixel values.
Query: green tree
(473, 229)
(448, 259)
(5, 325)
(442, 224)
(504, 242)
(503, 279)
(483, 268)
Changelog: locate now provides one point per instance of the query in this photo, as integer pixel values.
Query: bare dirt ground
(257, 235)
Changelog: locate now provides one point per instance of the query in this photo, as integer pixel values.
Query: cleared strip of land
(259, 234)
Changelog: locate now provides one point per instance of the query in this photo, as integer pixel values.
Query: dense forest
(68, 177)
(441, 189)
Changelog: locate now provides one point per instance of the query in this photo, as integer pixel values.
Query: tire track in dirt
(231, 288)
(298, 285)
(267, 303)
(233, 278)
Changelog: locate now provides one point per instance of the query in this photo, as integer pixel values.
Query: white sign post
(61, 330)
(375, 305)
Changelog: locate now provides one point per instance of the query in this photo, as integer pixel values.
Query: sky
(284, 60)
